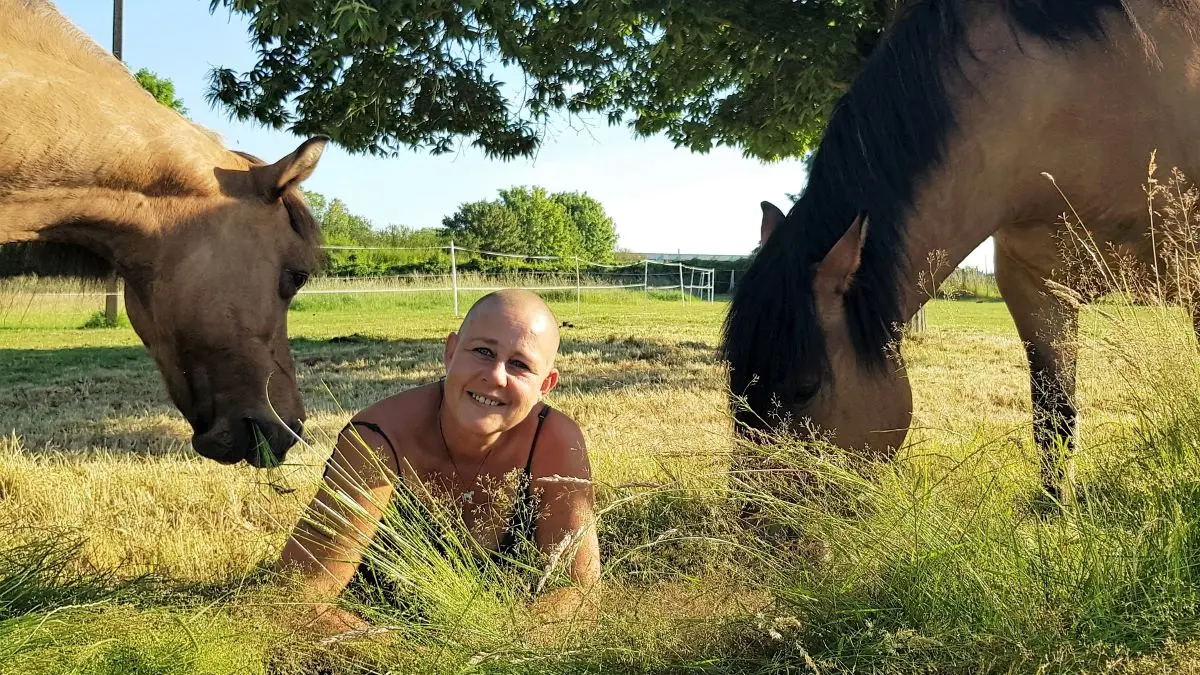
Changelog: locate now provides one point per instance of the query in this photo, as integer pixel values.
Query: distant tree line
(526, 221)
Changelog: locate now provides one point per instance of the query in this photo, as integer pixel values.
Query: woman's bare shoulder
(386, 426)
(392, 412)
(562, 449)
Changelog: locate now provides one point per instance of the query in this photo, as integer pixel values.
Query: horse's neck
(1084, 122)
(103, 199)
(109, 224)
(989, 176)
(955, 213)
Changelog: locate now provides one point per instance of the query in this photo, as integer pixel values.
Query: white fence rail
(586, 275)
(700, 280)
(645, 274)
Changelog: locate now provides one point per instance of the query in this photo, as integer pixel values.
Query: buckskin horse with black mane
(95, 175)
(941, 141)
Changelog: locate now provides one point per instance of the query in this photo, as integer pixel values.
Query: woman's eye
(520, 365)
(483, 351)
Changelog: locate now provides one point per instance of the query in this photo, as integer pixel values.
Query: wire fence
(587, 275)
(569, 276)
(572, 275)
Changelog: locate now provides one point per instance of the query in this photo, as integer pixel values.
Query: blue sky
(662, 199)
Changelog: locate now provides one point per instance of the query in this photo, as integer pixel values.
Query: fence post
(731, 282)
(110, 297)
(454, 276)
(682, 292)
(917, 323)
(645, 278)
(578, 288)
(111, 301)
(712, 283)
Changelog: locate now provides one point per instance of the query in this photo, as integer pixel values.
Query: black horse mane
(887, 132)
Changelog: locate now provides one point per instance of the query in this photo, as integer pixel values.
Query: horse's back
(65, 100)
(1115, 103)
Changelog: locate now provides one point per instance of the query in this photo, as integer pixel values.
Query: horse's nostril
(200, 426)
(297, 427)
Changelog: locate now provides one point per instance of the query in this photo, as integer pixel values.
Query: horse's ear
(772, 218)
(837, 270)
(272, 180)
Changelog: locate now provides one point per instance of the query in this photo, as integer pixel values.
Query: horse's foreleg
(1048, 325)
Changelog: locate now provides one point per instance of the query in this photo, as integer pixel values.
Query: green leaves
(162, 89)
(597, 234)
(530, 221)
(394, 249)
(485, 225)
(339, 227)
(521, 221)
(383, 76)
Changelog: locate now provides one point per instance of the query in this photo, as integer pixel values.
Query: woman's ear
(550, 382)
(451, 342)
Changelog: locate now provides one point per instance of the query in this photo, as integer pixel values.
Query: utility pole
(110, 295)
(118, 11)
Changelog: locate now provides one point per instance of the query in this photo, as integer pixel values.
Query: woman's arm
(564, 480)
(327, 543)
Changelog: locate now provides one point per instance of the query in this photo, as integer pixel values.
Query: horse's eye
(290, 283)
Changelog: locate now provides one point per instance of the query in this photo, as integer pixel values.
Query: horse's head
(800, 362)
(208, 294)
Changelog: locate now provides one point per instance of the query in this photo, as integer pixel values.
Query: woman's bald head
(514, 305)
(500, 363)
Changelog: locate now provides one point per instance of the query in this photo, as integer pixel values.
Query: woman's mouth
(485, 400)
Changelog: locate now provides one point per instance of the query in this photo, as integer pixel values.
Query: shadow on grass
(77, 398)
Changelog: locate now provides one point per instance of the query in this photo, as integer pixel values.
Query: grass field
(125, 553)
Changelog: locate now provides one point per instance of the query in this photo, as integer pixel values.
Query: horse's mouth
(230, 442)
(262, 441)
(260, 454)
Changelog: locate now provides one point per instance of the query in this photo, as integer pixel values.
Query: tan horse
(211, 244)
(940, 142)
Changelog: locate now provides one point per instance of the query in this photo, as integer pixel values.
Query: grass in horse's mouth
(266, 458)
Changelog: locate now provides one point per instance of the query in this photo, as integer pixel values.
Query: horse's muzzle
(262, 442)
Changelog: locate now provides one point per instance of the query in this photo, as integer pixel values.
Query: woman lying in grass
(479, 444)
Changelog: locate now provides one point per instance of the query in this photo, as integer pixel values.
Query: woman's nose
(498, 374)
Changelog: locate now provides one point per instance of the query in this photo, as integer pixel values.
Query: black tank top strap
(375, 428)
(536, 432)
(523, 522)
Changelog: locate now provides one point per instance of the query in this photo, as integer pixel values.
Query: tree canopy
(521, 221)
(388, 75)
(339, 227)
(531, 221)
(597, 232)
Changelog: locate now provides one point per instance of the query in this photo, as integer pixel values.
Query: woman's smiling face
(499, 365)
